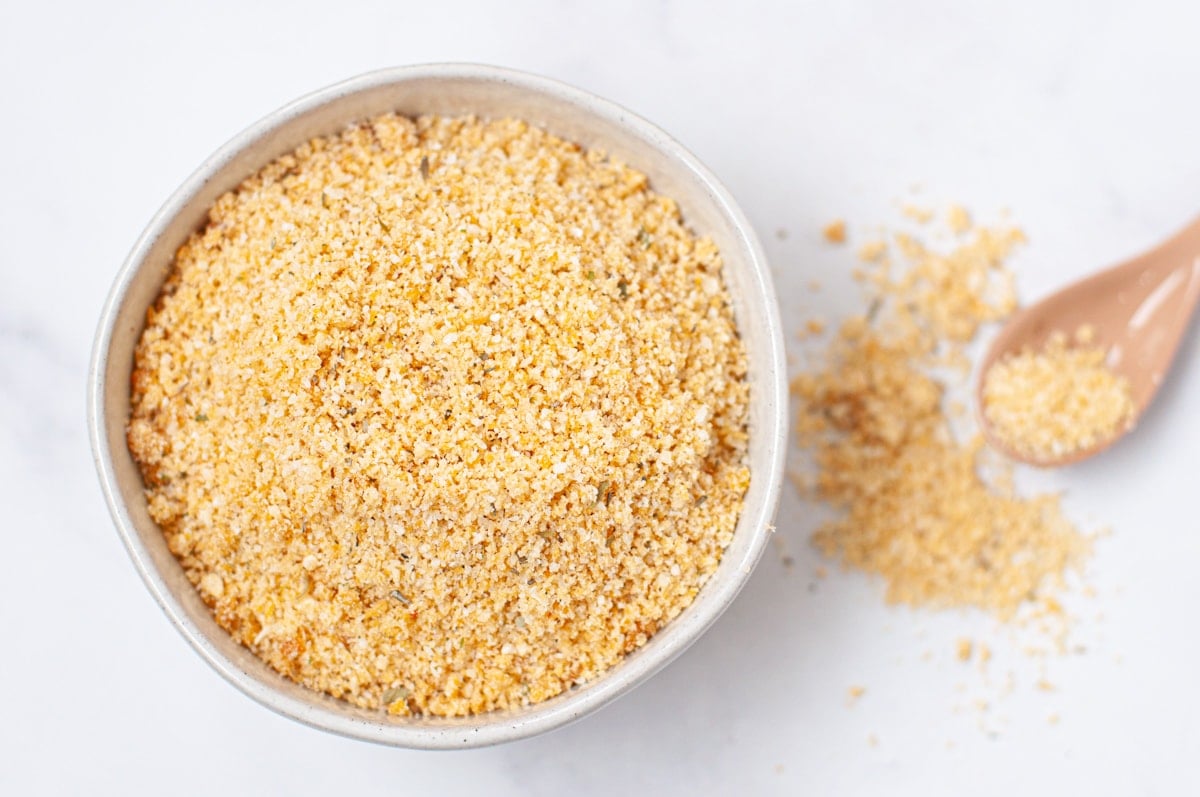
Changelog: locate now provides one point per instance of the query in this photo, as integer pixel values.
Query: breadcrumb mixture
(1058, 400)
(915, 508)
(443, 416)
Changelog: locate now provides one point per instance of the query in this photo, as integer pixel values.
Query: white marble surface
(1080, 117)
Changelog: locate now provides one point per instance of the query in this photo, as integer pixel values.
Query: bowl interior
(445, 90)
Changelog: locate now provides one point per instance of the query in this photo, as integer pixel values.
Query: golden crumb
(918, 214)
(914, 507)
(443, 416)
(854, 693)
(835, 232)
(963, 649)
(958, 219)
(815, 326)
(872, 251)
(1055, 401)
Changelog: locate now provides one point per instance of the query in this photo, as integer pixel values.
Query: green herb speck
(395, 693)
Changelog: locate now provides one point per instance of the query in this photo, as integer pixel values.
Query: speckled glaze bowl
(447, 90)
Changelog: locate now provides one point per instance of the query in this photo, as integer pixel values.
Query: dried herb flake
(604, 492)
(395, 693)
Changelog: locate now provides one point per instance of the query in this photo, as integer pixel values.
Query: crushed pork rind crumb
(915, 508)
(835, 231)
(443, 416)
(1050, 402)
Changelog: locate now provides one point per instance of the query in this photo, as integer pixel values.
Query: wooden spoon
(1139, 310)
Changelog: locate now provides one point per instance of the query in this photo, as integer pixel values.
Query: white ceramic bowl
(447, 90)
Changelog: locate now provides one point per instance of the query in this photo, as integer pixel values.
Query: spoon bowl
(1139, 311)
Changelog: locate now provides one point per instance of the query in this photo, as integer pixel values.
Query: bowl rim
(485, 729)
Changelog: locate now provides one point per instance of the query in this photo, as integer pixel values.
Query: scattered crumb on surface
(917, 213)
(785, 558)
(963, 649)
(873, 251)
(443, 416)
(804, 483)
(915, 508)
(835, 232)
(958, 219)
